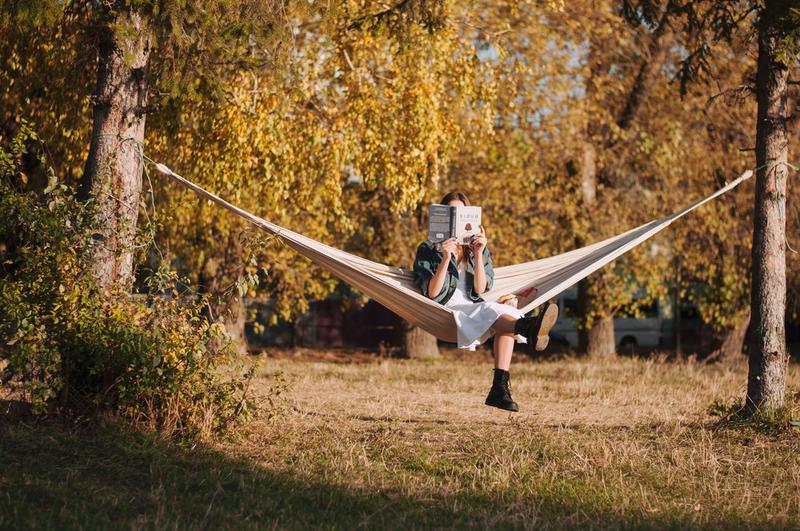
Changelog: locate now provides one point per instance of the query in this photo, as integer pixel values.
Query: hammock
(394, 288)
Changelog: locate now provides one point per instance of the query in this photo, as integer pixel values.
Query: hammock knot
(162, 168)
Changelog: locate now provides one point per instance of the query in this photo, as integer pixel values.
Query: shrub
(153, 359)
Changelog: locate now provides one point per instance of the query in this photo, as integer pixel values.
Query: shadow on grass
(113, 478)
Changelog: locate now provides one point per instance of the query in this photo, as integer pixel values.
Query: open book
(461, 222)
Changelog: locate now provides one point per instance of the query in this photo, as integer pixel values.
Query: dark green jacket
(427, 262)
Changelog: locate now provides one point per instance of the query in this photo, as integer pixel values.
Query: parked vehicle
(630, 332)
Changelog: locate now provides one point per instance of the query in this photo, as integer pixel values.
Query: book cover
(439, 226)
(461, 222)
(467, 222)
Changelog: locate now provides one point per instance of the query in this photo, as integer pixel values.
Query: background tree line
(568, 122)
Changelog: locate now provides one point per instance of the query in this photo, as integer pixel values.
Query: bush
(153, 359)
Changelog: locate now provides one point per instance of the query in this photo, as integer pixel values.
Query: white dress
(473, 319)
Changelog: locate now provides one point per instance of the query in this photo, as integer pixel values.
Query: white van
(629, 332)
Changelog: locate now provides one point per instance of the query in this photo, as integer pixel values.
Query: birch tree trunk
(112, 174)
(768, 354)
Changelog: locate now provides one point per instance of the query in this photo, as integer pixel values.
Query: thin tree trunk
(768, 354)
(733, 343)
(582, 310)
(589, 174)
(595, 340)
(418, 344)
(226, 307)
(112, 174)
(651, 63)
(676, 320)
(232, 314)
(234, 319)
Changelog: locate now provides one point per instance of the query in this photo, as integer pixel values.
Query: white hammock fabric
(393, 287)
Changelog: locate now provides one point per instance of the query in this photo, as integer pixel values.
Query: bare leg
(503, 341)
(504, 324)
(503, 349)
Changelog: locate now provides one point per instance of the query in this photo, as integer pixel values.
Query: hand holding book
(449, 247)
(478, 242)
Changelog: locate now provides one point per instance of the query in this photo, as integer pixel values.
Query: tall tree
(198, 46)
(778, 22)
(620, 70)
(776, 26)
(112, 176)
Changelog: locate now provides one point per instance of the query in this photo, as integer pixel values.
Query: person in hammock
(451, 276)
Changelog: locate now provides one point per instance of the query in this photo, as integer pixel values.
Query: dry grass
(364, 441)
(571, 391)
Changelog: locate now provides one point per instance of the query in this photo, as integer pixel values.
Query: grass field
(361, 441)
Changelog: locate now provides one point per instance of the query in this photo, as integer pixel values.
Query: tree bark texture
(600, 338)
(768, 354)
(112, 174)
(677, 323)
(418, 344)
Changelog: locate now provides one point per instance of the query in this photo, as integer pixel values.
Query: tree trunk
(676, 317)
(733, 343)
(600, 338)
(418, 344)
(233, 314)
(583, 311)
(589, 174)
(588, 188)
(112, 174)
(226, 307)
(651, 63)
(595, 340)
(588, 169)
(768, 355)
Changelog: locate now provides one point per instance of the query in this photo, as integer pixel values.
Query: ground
(357, 440)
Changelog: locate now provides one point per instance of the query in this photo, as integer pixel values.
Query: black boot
(537, 329)
(500, 394)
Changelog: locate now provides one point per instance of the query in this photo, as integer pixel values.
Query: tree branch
(359, 22)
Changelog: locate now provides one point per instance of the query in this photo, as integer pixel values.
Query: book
(445, 222)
